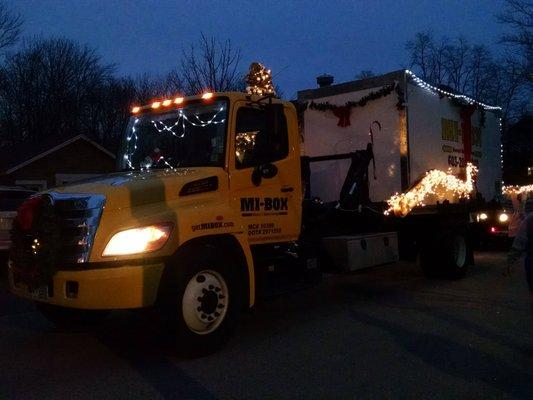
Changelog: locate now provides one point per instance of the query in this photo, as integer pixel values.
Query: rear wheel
(201, 299)
(447, 256)
(458, 258)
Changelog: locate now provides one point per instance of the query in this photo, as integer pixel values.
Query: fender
(245, 248)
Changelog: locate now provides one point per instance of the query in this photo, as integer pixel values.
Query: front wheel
(200, 302)
(205, 302)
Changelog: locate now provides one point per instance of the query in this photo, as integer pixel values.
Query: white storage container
(362, 251)
(420, 130)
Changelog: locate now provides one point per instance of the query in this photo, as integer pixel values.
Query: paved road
(385, 333)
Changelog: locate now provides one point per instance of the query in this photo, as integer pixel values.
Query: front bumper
(123, 287)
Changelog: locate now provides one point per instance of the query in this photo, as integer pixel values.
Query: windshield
(191, 136)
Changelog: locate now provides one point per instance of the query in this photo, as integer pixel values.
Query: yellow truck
(209, 202)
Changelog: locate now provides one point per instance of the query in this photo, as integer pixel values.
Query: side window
(255, 142)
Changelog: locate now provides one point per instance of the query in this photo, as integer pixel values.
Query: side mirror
(266, 171)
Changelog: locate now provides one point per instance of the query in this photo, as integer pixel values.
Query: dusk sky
(298, 40)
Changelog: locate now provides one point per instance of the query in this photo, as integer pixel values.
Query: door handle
(287, 189)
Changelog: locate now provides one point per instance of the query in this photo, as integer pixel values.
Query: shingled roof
(14, 157)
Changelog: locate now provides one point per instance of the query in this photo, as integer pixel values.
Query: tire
(200, 301)
(458, 254)
(71, 317)
(446, 257)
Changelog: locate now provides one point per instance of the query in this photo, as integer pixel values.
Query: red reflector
(493, 229)
(26, 212)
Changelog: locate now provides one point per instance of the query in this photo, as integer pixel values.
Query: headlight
(482, 217)
(503, 217)
(138, 240)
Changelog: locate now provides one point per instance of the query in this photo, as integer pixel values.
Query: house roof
(19, 156)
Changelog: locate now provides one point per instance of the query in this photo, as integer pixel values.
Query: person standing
(523, 243)
(518, 215)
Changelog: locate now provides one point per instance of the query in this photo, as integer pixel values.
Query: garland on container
(343, 112)
(384, 91)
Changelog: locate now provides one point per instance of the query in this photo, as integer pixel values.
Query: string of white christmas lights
(134, 133)
(161, 127)
(182, 118)
(514, 190)
(423, 84)
(208, 122)
(245, 141)
(435, 183)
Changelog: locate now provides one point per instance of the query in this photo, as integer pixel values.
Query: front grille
(77, 217)
(61, 234)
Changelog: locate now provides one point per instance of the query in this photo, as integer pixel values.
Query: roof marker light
(178, 100)
(135, 109)
(207, 95)
(166, 103)
(156, 104)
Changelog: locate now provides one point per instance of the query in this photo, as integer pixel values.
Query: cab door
(264, 167)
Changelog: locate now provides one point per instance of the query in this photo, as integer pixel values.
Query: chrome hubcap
(205, 302)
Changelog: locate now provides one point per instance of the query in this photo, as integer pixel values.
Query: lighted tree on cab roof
(259, 80)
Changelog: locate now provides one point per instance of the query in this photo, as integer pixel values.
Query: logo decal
(211, 225)
(264, 206)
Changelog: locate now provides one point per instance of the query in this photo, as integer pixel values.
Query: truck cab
(200, 181)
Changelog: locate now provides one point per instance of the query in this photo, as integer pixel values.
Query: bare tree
(211, 65)
(454, 64)
(56, 88)
(365, 74)
(427, 56)
(149, 87)
(508, 86)
(50, 89)
(10, 26)
(469, 69)
(174, 83)
(518, 15)
(418, 51)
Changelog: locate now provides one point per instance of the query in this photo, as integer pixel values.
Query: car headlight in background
(503, 217)
(482, 217)
(138, 240)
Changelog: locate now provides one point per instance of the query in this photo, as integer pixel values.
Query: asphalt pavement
(387, 332)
